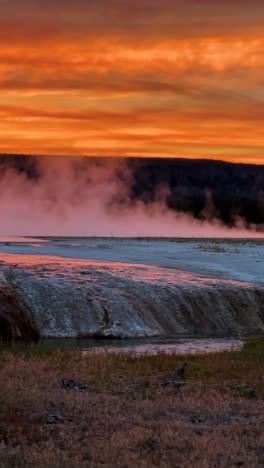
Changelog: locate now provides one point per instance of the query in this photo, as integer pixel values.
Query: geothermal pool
(238, 259)
(131, 288)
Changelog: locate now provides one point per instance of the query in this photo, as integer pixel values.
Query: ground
(122, 416)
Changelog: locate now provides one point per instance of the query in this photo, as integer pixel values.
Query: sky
(168, 78)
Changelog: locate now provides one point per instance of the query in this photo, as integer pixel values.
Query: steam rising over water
(78, 197)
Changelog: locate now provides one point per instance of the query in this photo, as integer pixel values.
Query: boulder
(15, 324)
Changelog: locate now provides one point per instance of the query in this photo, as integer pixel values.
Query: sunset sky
(168, 78)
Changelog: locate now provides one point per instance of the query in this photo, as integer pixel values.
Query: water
(80, 288)
(241, 260)
(150, 346)
(75, 298)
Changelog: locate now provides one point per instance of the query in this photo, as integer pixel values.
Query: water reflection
(82, 272)
(150, 346)
(23, 240)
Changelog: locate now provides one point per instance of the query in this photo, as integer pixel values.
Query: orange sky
(144, 77)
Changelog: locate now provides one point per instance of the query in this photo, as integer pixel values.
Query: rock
(197, 418)
(173, 375)
(107, 304)
(109, 329)
(15, 323)
(73, 385)
(55, 419)
(172, 383)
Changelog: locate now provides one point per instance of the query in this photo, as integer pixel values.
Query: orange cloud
(141, 78)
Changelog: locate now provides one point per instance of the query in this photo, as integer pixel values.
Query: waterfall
(67, 298)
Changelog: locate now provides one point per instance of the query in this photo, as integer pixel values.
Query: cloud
(191, 18)
(82, 77)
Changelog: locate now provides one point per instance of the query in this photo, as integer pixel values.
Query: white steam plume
(70, 198)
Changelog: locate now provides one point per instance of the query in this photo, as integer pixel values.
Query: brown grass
(125, 418)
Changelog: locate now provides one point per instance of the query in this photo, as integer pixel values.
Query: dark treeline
(206, 189)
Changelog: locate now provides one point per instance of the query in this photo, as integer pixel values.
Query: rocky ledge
(15, 323)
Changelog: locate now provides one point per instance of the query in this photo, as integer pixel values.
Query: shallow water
(237, 260)
(150, 346)
(81, 272)
(129, 288)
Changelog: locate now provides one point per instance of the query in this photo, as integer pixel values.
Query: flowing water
(148, 346)
(70, 297)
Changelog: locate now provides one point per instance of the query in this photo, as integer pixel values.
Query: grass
(125, 418)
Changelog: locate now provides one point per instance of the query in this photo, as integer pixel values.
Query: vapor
(68, 197)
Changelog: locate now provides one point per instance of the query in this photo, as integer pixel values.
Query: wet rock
(108, 328)
(15, 323)
(127, 302)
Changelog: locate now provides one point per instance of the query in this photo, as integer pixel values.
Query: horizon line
(165, 157)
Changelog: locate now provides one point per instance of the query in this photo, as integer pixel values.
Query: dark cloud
(145, 17)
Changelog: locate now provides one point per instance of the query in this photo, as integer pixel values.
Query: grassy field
(123, 417)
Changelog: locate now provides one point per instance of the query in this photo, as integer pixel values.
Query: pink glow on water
(82, 270)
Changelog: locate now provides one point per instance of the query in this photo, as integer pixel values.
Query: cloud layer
(109, 77)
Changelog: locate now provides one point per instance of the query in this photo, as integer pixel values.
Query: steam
(69, 197)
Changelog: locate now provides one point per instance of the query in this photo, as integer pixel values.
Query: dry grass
(126, 418)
